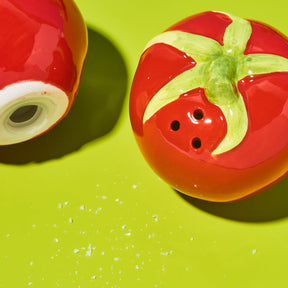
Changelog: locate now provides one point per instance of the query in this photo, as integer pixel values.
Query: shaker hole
(175, 125)
(23, 113)
(196, 143)
(198, 114)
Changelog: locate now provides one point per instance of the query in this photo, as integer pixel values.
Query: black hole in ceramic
(196, 143)
(175, 125)
(23, 113)
(198, 114)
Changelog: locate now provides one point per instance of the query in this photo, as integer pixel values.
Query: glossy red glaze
(201, 24)
(266, 39)
(258, 162)
(44, 41)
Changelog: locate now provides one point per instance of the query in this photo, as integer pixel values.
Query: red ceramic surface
(43, 45)
(209, 106)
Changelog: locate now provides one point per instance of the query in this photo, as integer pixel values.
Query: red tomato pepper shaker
(43, 45)
(209, 106)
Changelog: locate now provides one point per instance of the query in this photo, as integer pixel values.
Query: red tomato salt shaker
(43, 45)
(209, 106)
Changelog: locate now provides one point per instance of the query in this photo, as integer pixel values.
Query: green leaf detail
(254, 64)
(200, 48)
(218, 70)
(220, 78)
(184, 82)
(236, 36)
(237, 120)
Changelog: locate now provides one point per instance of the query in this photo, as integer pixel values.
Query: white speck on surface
(155, 216)
(93, 277)
(164, 253)
(150, 236)
(104, 197)
(103, 253)
(192, 238)
(89, 251)
(128, 234)
(82, 207)
(60, 206)
(134, 186)
(98, 210)
(30, 283)
(137, 267)
(70, 220)
(116, 259)
(254, 251)
(56, 240)
(76, 251)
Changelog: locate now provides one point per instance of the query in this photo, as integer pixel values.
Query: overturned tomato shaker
(43, 45)
(209, 106)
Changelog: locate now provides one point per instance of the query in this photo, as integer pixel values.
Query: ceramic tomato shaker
(43, 45)
(209, 106)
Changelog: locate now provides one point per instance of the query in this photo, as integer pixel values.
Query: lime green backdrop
(79, 207)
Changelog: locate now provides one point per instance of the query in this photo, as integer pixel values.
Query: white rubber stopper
(28, 109)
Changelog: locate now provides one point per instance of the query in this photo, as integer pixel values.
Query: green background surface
(79, 206)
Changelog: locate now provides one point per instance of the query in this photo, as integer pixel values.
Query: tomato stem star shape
(218, 70)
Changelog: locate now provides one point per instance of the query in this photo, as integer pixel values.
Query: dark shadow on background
(94, 113)
(270, 205)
